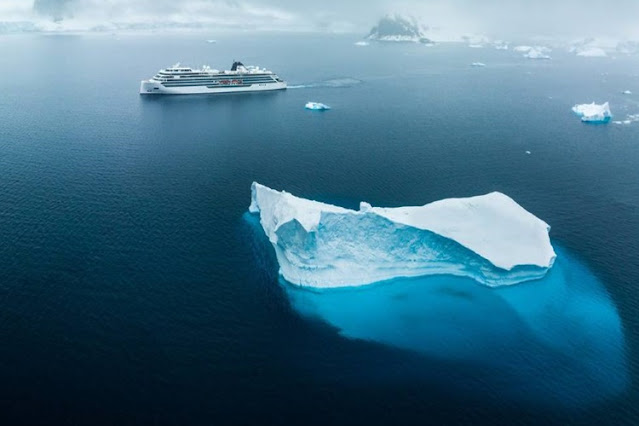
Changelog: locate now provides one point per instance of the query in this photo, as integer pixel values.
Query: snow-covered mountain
(395, 28)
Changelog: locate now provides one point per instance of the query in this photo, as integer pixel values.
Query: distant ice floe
(632, 118)
(593, 113)
(533, 52)
(592, 52)
(316, 106)
(211, 41)
(538, 53)
(478, 64)
(500, 45)
(627, 92)
(488, 238)
(522, 49)
(362, 43)
(627, 47)
(334, 83)
(476, 41)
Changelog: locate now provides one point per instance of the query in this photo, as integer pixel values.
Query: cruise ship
(179, 80)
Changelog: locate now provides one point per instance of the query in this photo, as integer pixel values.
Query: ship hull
(150, 87)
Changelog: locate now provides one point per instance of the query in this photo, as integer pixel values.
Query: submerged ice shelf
(545, 338)
(489, 238)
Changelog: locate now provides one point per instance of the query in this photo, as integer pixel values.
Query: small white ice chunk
(593, 113)
(317, 106)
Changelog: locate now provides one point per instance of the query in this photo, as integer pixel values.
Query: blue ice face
(557, 340)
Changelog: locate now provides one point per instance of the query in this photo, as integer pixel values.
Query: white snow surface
(489, 238)
(593, 112)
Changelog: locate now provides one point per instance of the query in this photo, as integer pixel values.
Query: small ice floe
(528, 153)
(316, 106)
(478, 64)
(627, 92)
(593, 113)
(211, 41)
(362, 43)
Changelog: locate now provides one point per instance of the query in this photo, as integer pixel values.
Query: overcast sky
(507, 18)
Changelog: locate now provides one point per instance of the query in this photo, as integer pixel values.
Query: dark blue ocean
(135, 288)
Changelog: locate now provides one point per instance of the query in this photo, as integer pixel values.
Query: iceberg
(478, 64)
(488, 238)
(593, 113)
(627, 92)
(317, 106)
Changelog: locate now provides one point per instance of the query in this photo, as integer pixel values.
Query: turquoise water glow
(522, 330)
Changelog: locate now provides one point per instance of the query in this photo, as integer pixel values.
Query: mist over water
(518, 19)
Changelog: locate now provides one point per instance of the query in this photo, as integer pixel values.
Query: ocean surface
(136, 289)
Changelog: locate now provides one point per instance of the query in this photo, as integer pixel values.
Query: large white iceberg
(489, 238)
(593, 113)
